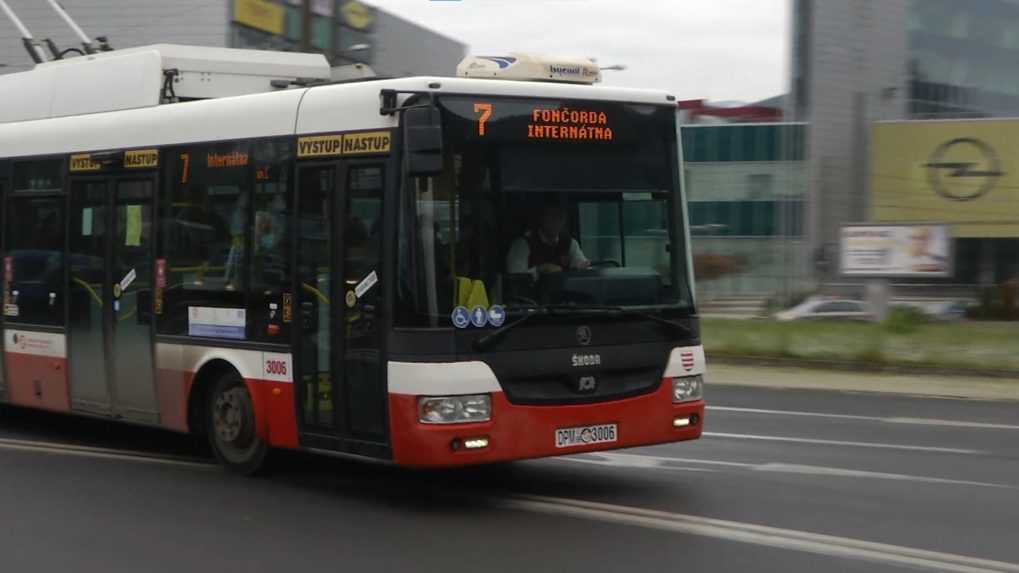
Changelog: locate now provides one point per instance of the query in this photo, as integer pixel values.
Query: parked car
(829, 309)
(949, 311)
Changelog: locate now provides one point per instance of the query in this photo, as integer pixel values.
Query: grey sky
(714, 49)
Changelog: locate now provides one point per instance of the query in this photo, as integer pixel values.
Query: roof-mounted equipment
(530, 67)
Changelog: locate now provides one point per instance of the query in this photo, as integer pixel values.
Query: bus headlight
(687, 389)
(454, 409)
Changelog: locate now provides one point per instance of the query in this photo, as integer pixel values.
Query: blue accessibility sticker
(461, 317)
(479, 316)
(496, 316)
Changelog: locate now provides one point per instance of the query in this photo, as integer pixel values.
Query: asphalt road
(788, 480)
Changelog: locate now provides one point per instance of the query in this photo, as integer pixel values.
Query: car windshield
(545, 218)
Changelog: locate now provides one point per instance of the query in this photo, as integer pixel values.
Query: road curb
(868, 367)
(757, 374)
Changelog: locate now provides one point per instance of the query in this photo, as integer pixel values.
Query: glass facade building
(346, 32)
(962, 58)
(746, 187)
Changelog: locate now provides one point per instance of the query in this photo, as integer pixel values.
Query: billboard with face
(896, 251)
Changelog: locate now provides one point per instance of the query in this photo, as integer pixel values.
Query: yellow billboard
(961, 173)
(260, 15)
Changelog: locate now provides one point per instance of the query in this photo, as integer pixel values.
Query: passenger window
(206, 215)
(35, 247)
(44, 175)
(271, 305)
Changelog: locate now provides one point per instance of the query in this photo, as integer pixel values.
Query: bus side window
(34, 240)
(205, 221)
(270, 304)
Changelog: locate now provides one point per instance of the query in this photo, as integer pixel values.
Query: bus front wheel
(231, 427)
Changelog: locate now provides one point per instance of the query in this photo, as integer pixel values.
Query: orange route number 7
(485, 109)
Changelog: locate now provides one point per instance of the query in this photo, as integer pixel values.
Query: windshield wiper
(491, 339)
(624, 311)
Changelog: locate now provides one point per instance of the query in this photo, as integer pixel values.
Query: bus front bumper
(517, 432)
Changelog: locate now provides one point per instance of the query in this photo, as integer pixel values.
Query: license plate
(586, 435)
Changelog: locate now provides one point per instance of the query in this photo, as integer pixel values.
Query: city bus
(427, 271)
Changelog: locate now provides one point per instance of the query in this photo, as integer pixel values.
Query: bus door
(341, 386)
(111, 273)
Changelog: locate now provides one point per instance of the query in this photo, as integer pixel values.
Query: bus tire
(231, 426)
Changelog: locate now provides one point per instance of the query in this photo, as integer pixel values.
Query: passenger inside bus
(546, 247)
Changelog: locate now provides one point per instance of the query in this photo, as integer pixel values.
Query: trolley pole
(34, 51)
(86, 42)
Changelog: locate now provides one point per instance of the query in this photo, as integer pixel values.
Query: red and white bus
(435, 271)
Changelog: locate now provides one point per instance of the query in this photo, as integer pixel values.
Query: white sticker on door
(127, 280)
(365, 285)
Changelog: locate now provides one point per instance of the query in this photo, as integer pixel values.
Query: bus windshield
(544, 203)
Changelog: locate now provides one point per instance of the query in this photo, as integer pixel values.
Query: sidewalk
(970, 388)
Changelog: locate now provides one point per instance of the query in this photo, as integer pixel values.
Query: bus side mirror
(422, 136)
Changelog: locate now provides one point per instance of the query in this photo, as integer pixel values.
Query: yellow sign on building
(961, 173)
(357, 15)
(260, 15)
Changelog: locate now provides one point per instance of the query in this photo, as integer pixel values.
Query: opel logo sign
(963, 169)
(584, 335)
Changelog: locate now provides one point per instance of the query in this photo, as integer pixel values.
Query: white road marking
(667, 463)
(643, 463)
(754, 534)
(950, 423)
(843, 443)
(828, 545)
(101, 453)
(842, 472)
(889, 420)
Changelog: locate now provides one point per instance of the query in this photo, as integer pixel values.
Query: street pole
(306, 26)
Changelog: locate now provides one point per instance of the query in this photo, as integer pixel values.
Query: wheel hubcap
(229, 415)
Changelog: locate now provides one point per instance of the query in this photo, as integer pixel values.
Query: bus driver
(546, 249)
